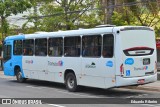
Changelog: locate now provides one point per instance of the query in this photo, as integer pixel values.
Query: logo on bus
(109, 64)
(59, 63)
(29, 61)
(141, 68)
(92, 65)
(129, 61)
(128, 73)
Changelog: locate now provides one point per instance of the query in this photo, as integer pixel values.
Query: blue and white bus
(103, 57)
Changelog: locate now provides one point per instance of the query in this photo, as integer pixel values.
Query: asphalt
(155, 86)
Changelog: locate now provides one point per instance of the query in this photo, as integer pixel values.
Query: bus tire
(71, 82)
(19, 76)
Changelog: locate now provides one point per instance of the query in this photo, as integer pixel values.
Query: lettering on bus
(59, 63)
(29, 61)
(92, 65)
(141, 68)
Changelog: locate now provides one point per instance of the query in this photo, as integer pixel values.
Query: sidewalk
(150, 87)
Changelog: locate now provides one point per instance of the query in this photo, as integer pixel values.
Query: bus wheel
(19, 76)
(71, 82)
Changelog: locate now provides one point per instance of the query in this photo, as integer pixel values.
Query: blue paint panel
(16, 60)
(16, 37)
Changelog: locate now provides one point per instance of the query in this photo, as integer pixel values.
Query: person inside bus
(24, 51)
(42, 53)
(108, 52)
(67, 52)
(105, 53)
(85, 51)
(30, 52)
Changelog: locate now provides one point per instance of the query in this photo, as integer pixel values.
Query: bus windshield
(7, 52)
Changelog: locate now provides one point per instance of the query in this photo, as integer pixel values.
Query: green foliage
(74, 14)
(143, 14)
(117, 19)
(8, 7)
(60, 15)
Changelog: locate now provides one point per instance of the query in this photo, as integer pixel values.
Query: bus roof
(91, 31)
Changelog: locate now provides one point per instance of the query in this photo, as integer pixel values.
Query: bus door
(40, 59)
(7, 55)
(98, 61)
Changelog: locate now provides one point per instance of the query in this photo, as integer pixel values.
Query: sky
(18, 19)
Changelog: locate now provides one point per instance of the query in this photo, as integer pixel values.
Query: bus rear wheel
(71, 82)
(19, 76)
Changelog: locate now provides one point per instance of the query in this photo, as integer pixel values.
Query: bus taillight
(121, 70)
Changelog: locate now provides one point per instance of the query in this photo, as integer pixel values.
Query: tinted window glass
(55, 46)
(17, 50)
(108, 45)
(91, 46)
(28, 47)
(40, 47)
(72, 46)
(7, 52)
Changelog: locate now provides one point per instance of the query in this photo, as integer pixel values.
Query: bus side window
(91, 46)
(41, 47)
(28, 47)
(55, 46)
(108, 44)
(72, 46)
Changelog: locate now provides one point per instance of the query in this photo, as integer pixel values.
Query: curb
(148, 88)
(143, 88)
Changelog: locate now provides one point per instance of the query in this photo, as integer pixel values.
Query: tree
(107, 8)
(66, 13)
(8, 7)
(35, 4)
(138, 12)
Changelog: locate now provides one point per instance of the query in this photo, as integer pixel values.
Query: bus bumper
(121, 81)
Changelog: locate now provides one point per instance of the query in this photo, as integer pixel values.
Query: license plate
(141, 81)
(146, 61)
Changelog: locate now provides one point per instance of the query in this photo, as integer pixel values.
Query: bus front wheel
(19, 76)
(71, 82)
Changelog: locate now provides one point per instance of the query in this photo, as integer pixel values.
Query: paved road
(10, 88)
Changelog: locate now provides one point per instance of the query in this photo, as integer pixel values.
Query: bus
(102, 57)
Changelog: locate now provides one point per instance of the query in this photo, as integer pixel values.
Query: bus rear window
(138, 51)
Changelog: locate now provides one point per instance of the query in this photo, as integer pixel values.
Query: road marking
(8, 78)
(55, 105)
(156, 105)
(71, 93)
(33, 87)
(137, 96)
